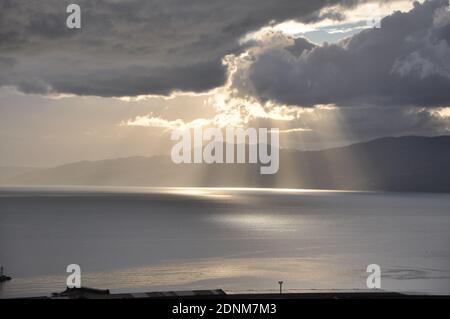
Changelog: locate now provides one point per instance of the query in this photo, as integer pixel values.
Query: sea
(241, 240)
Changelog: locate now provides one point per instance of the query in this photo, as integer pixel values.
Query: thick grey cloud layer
(406, 62)
(132, 47)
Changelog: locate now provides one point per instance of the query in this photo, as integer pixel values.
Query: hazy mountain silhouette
(9, 172)
(392, 164)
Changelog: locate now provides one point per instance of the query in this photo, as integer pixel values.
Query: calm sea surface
(241, 240)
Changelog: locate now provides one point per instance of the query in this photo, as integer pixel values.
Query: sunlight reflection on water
(258, 222)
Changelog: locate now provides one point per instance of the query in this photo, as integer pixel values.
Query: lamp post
(281, 286)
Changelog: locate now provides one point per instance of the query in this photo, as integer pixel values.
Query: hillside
(391, 164)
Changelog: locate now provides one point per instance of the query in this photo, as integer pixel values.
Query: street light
(281, 287)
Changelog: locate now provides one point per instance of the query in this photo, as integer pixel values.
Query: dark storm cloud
(132, 81)
(320, 16)
(132, 47)
(406, 62)
(371, 122)
(299, 46)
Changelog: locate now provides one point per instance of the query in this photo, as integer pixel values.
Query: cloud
(230, 111)
(133, 47)
(405, 62)
(278, 78)
(169, 125)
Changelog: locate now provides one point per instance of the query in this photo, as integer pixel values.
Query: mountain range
(410, 163)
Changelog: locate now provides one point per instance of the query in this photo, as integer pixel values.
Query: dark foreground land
(218, 304)
(90, 293)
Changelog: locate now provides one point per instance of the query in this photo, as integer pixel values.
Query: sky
(327, 73)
